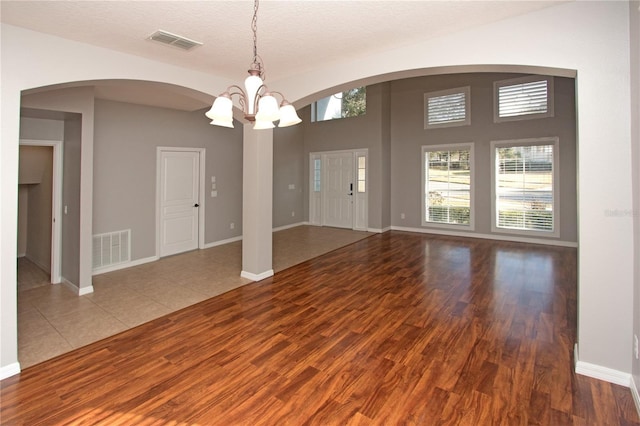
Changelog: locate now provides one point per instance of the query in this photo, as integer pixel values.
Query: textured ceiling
(293, 36)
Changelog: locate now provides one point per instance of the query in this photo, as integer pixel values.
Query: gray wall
(75, 108)
(41, 128)
(36, 176)
(408, 136)
(34, 225)
(126, 136)
(288, 169)
(125, 142)
(367, 131)
(71, 179)
(393, 131)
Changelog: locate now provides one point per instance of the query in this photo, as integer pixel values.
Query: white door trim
(56, 204)
(201, 208)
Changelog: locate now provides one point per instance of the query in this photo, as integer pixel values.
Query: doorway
(40, 205)
(338, 195)
(180, 200)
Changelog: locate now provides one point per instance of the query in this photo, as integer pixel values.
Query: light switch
(214, 193)
(213, 179)
(292, 186)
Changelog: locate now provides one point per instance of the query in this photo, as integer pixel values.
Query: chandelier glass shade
(258, 104)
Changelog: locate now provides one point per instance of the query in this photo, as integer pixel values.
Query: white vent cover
(174, 40)
(111, 248)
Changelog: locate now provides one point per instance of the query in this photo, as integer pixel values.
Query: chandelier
(258, 103)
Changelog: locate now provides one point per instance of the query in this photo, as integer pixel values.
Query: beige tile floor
(53, 320)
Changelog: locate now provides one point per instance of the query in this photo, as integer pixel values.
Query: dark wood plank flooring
(397, 329)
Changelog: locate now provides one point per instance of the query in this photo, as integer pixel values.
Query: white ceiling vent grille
(175, 40)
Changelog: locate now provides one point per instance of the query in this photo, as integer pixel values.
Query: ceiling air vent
(175, 40)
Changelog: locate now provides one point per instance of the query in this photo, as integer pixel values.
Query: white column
(257, 203)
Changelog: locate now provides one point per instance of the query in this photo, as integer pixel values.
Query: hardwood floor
(52, 319)
(398, 328)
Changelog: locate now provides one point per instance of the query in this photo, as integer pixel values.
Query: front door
(338, 190)
(179, 201)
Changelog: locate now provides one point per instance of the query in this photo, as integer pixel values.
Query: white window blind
(447, 185)
(447, 108)
(529, 97)
(525, 187)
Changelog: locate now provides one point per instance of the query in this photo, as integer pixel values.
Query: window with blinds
(525, 186)
(447, 184)
(447, 108)
(523, 98)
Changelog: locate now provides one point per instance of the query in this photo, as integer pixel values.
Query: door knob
(196, 205)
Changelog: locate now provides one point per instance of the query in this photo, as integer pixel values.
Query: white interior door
(338, 190)
(179, 201)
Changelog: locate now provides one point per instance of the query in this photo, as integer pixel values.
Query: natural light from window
(524, 187)
(350, 103)
(447, 185)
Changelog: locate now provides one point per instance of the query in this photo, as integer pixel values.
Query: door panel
(338, 190)
(180, 175)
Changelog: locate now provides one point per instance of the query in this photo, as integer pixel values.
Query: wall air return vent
(175, 40)
(111, 249)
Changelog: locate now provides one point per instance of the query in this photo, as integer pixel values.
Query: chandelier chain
(254, 27)
(259, 105)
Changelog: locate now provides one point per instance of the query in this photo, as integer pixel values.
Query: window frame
(523, 80)
(553, 141)
(458, 123)
(449, 147)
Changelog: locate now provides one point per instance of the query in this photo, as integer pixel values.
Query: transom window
(523, 98)
(447, 184)
(525, 179)
(350, 103)
(447, 108)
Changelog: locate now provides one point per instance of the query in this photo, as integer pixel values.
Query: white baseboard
(257, 277)
(85, 290)
(379, 230)
(77, 290)
(222, 242)
(601, 373)
(634, 393)
(9, 370)
(293, 225)
(124, 265)
(501, 237)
